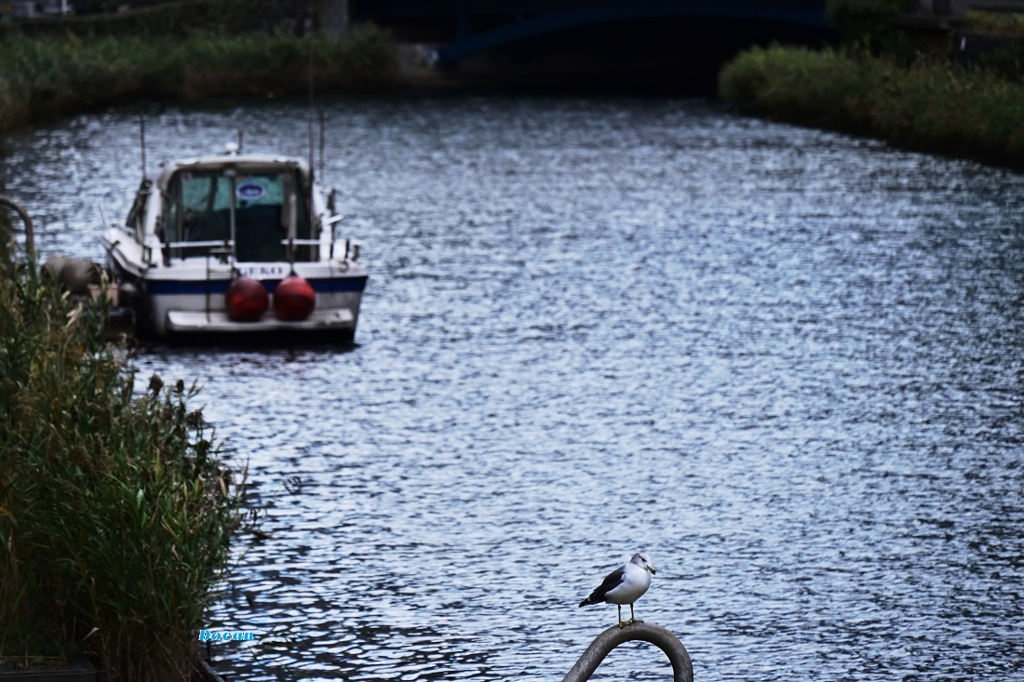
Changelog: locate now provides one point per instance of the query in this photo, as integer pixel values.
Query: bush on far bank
(52, 76)
(929, 106)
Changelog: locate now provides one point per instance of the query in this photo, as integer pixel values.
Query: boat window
(137, 215)
(199, 210)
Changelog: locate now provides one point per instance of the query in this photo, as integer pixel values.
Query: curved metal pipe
(682, 668)
(30, 243)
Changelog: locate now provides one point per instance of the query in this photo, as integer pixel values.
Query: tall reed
(115, 511)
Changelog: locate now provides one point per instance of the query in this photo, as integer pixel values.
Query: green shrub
(115, 513)
(930, 105)
(46, 77)
(794, 83)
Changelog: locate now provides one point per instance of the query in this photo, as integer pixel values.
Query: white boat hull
(185, 322)
(191, 300)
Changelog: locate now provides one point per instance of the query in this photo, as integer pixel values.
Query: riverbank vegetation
(115, 510)
(996, 23)
(52, 75)
(928, 105)
(876, 83)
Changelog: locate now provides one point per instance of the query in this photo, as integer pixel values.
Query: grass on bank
(929, 105)
(50, 76)
(115, 513)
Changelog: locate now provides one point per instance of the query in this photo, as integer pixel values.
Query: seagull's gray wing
(611, 581)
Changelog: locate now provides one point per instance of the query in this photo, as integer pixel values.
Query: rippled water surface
(787, 363)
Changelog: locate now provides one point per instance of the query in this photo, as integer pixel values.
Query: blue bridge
(604, 34)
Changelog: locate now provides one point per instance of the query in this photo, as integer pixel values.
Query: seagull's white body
(633, 583)
(624, 585)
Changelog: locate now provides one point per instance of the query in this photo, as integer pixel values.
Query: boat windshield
(266, 203)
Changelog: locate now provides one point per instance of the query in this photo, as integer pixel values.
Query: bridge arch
(570, 14)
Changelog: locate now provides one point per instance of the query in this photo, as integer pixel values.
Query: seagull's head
(642, 560)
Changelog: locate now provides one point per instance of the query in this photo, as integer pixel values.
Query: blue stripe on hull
(325, 286)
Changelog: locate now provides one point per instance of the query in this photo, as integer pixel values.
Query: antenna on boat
(310, 117)
(142, 140)
(321, 144)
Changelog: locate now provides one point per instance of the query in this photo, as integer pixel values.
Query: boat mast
(309, 117)
(322, 141)
(142, 141)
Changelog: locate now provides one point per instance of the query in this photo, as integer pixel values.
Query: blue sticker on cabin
(250, 191)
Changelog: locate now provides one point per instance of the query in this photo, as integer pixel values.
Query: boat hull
(191, 301)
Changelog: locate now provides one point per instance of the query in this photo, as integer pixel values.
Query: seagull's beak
(651, 569)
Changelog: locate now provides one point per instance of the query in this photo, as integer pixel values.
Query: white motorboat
(236, 244)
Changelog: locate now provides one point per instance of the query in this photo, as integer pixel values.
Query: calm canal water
(785, 362)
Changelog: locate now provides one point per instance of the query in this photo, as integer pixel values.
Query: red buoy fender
(246, 300)
(294, 299)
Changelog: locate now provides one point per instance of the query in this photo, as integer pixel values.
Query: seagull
(624, 585)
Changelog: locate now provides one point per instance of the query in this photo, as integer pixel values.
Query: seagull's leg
(622, 623)
(632, 616)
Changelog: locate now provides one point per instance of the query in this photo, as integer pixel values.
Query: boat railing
(220, 248)
(206, 247)
(206, 244)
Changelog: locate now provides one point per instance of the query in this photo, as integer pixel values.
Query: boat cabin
(248, 212)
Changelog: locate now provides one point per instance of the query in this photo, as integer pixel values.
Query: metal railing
(26, 221)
